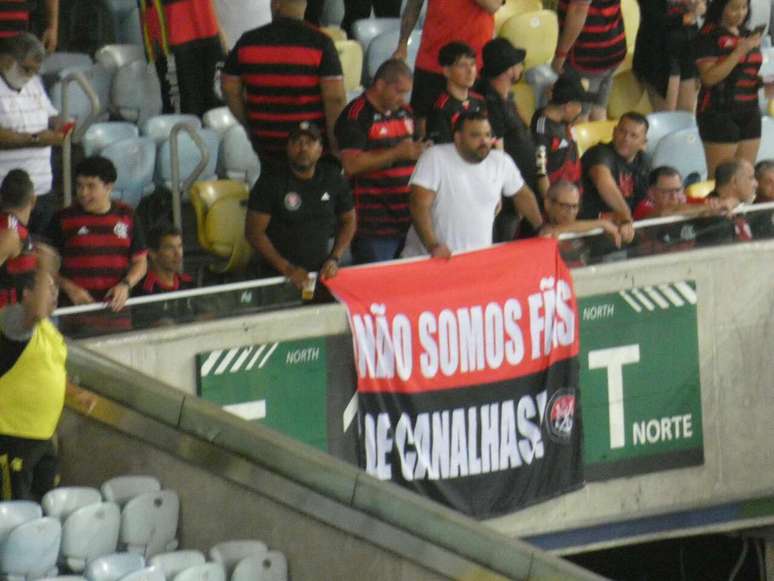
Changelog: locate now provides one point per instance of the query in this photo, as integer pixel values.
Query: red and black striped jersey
(740, 88)
(97, 249)
(14, 17)
(601, 45)
(14, 268)
(445, 112)
(562, 159)
(381, 196)
(281, 66)
(152, 285)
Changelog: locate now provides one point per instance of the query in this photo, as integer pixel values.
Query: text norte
(466, 339)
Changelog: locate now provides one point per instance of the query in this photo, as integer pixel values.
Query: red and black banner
(468, 375)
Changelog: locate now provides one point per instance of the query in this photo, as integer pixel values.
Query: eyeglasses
(672, 191)
(565, 205)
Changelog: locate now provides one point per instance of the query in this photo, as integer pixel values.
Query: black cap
(500, 55)
(568, 88)
(305, 128)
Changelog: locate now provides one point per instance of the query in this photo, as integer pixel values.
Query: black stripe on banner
(654, 463)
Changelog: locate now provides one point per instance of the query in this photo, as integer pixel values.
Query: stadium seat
(524, 96)
(136, 93)
(88, 533)
(591, 133)
(121, 489)
(367, 29)
(665, 122)
(126, 21)
(684, 151)
(204, 572)
(383, 46)
(99, 135)
(79, 106)
(16, 512)
(239, 158)
(351, 57)
(220, 209)
(54, 63)
(760, 13)
(135, 161)
(63, 578)
(541, 78)
(631, 16)
(114, 56)
(627, 94)
(273, 566)
(536, 32)
(219, 119)
(231, 553)
(174, 562)
(699, 190)
(31, 550)
(61, 502)
(159, 127)
(336, 33)
(149, 523)
(114, 567)
(189, 157)
(513, 7)
(146, 574)
(766, 148)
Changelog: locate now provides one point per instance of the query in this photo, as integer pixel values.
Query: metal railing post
(174, 158)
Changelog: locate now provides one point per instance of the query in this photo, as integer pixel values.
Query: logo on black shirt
(121, 230)
(292, 201)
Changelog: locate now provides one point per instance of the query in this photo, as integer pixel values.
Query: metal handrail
(77, 134)
(174, 159)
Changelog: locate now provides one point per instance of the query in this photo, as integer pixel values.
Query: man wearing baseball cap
(558, 157)
(296, 210)
(503, 68)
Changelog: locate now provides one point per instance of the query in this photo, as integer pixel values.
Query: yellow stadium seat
(351, 57)
(592, 132)
(221, 208)
(771, 108)
(699, 190)
(524, 97)
(627, 94)
(536, 32)
(334, 32)
(514, 7)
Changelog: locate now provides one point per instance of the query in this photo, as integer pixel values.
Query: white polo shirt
(26, 111)
(467, 195)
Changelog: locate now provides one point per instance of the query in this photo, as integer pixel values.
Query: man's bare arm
(357, 162)
(50, 36)
(334, 98)
(408, 22)
(345, 233)
(420, 205)
(490, 6)
(608, 190)
(574, 21)
(527, 207)
(233, 95)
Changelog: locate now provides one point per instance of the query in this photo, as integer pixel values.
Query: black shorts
(28, 468)
(729, 127)
(427, 87)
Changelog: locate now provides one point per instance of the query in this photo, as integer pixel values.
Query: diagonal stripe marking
(657, 298)
(670, 293)
(684, 289)
(268, 354)
(350, 412)
(637, 308)
(255, 357)
(241, 359)
(210, 362)
(226, 360)
(637, 293)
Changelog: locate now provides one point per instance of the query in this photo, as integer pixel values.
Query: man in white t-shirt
(28, 122)
(456, 189)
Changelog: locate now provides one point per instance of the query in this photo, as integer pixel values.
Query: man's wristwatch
(126, 282)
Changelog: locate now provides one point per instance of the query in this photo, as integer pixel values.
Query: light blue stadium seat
(189, 157)
(160, 126)
(114, 56)
(174, 562)
(383, 46)
(665, 122)
(540, 79)
(88, 533)
(240, 161)
(30, 551)
(63, 578)
(136, 94)
(682, 150)
(100, 135)
(121, 489)
(203, 572)
(135, 161)
(79, 105)
(367, 29)
(114, 566)
(219, 119)
(149, 523)
(760, 13)
(273, 566)
(230, 553)
(61, 502)
(54, 63)
(126, 21)
(16, 512)
(766, 148)
(146, 574)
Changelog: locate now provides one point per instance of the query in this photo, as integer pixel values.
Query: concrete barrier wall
(736, 329)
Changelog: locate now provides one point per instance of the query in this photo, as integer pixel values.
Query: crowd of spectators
(429, 161)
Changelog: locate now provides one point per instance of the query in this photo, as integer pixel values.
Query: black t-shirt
(631, 177)
(445, 112)
(13, 337)
(303, 213)
(508, 126)
(562, 160)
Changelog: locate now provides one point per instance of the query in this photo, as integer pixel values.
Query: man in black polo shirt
(615, 174)
(295, 210)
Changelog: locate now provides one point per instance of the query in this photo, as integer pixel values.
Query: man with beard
(456, 190)
(295, 210)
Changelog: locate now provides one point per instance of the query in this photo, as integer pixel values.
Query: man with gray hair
(29, 125)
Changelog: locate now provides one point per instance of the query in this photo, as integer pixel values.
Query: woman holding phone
(728, 58)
